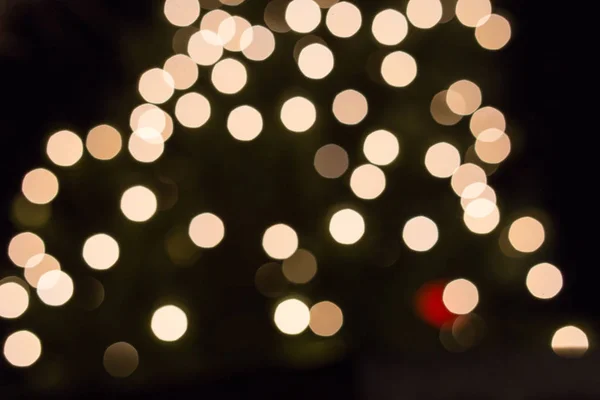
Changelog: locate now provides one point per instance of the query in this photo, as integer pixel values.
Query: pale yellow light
(138, 203)
(23, 246)
(22, 349)
(347, 226)
(55, 288)
(231, 31)
(350, 107)
(381, 147)
(487, 223)
(298, 114)
(39, 265)
(441, 113)
(570, 341)
(303, 16)
(156, 86)
(480, 208)
(493, 32)
(192, 110)
(463, 97)
(544, 281)
(466, 175)
(206, 230)
(315, 61)
(40, 186)
(14, 299)
(326, 319)
(442, 160)
(399, 69)
(169, 323)
(229, 76)
(104, 142)
(101, 251)
(146, 145)
(492, 146)
(205, 47)
(258, 43)
(460, 296)
(331, 161)
(245, 123)
(182, 12)
(389, 27)
(300, 267)
(471, 12)
(420, 234)
(280, 241)
(64, 148)
(424, 14)
(486, 118)
(292, 317)
(526, 234)
(120, 359)
(183, 70)
(367, 181)
(477, 190)
(343, 19)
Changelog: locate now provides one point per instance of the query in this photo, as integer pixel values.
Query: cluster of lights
(151, 127)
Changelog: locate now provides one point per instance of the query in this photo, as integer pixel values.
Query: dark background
(72, 65)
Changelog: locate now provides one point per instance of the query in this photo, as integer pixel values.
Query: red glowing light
(430, 306)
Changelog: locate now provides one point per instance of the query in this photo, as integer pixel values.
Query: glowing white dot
(169, 323)
(347, 226)
(206, 230)
(292, 317)
(460, 296)
(544, 281)
(420, 234)
(280, 241)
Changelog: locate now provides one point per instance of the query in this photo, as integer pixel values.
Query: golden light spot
(347, 226)
(420, 234)
(326, 319)
(472, 12)
(442, 160)
(138, 204)
(570, 341)
(169, 323)
(492, 146)
(275, 16)
(231, 31)
(23, 247)
(303, 16)
(280, 241)
(463, 97)
(39, 265)
(331, 161)
(64, 148)
(315, 61)
(182, 12)
(441, 113)
(55, 288)
(367, 181)
(424, 14)
(460, 296)
(477, 190)
(14, 299)
(156, 86)
(298, 114)
(544, 281)
(104, 142)
(486, 118)
(183, 70)
(192, 110)
(206, 230)
(350, 107)
(40, 186)
(269, 280)
(466, 175)
(390, 27)
(486, 224)
(229, 76)
(22, 349)
(258, 43)
(343, 19)
(245, 123)
(146, 145)
(300, 267)
(120, 359)
(399, 69)
(292, 316)
(381, 147)
(526, 234)
(493, 32)
(205, 47)
(101, 251)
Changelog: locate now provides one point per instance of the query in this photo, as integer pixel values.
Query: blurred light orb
(292, 316)
(245, 123)
(270, 281)
(149, 116)
(441, 113)
(211, 22)
(104, 142)
(492, 146)
(156, 86)
(120, 359)
(138, 204)
(183, 70)
(55, 288)
(465, 175)
(22, 349)
(192, 110)
(347, 226)
(483, 225)
(280, 241)
(367, 181)
(303, 16)
(442, 160)
(64, 148)
(424, 14)
(315, 61)
(274, 16)
(399, 69)
(231, 31)
(480, 208)
(526, 234)
(205, 47)
(146, 145)
(487, 118)
(182, 12)
(331, 161)
(300, 267)
(463, 97)
(460, 296)
(326, 319)
(350, 107)
(381, 147)
(37, 266)
(101, 252)
(471, 13)
(343, 19)
(476, 191)
(23, 246)
(206, 230)
(493, 32)
(14, 299)
(229, 76)
(298, 114)
(169, 323)
(570, 341)
(258, 43)
(544, 281)
(389, 27)
(420, 234)
(40, 186)
(30, 215)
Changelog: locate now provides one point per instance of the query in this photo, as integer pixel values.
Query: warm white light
(146, 145)
(104, 142)
(229, 76)
(399, 69)
(460, 296)
(367, 181)
(424, 14)
(292, 316)
(350, 107)
(206, 230)
(169, 323)
(22, 349)
(183, 70)
(420, 234)
(156, 86)
(192, 110)
(390, 27)
(303, 16)
(138, 204)
(64, 148)
(55, 288)
(23, 246)
(298, 114)
(381, 147)
(526, 234)
(280, 241)
(347, 226)
(40, 186)
(493, 32)
(442, 160)
(343, 19)
(205, 47)
(244, 123)
(14, 300)
(258, 43)
(473, 12)
(315, 61)
(182, 12)
(101, 252)
(570, 341)
(326, 319)
(544, 281)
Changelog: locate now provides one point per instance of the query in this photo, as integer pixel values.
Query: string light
(292, 316)
(169, 323)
